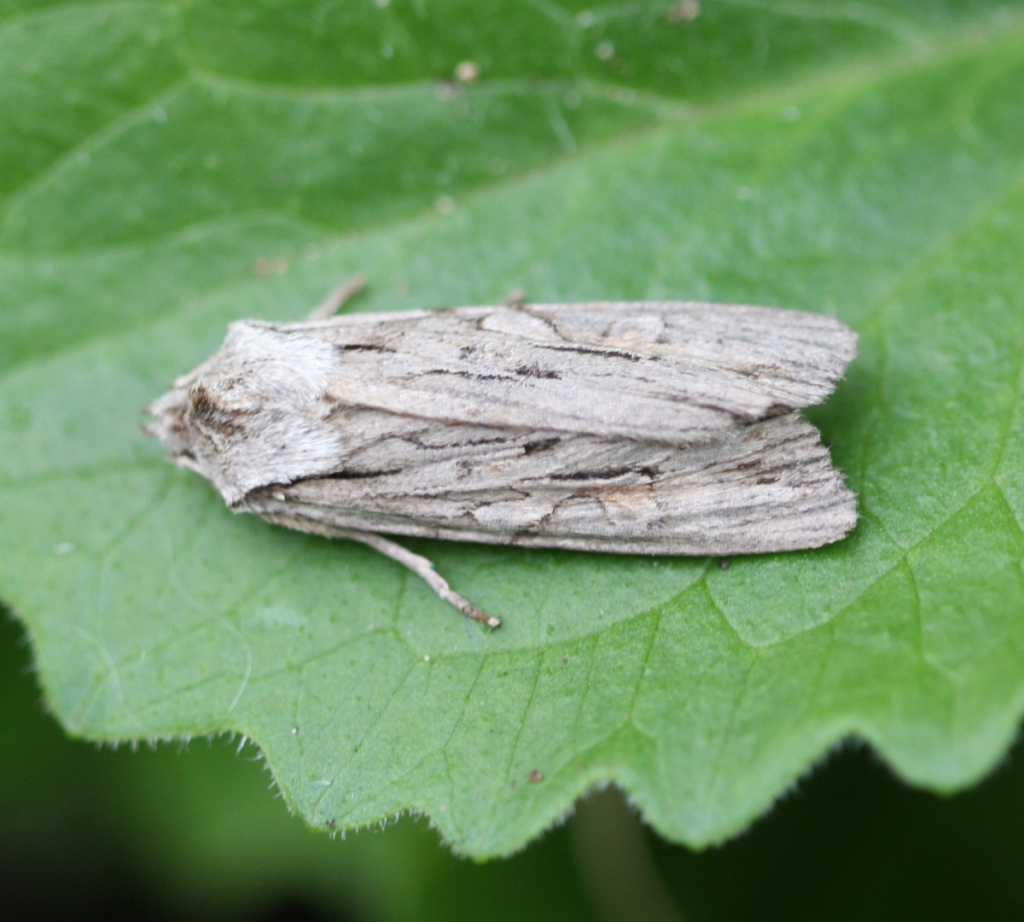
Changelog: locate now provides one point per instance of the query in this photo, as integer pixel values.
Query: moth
(623, 427)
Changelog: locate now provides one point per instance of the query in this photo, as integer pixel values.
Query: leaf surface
(173, 167)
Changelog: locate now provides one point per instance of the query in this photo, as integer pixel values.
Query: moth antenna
(338, 298)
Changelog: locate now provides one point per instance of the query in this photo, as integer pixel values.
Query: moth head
(252, 415)
(201, 428)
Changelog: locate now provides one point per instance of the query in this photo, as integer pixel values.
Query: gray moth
(623, 427)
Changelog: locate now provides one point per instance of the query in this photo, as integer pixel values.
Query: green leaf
(174, 166)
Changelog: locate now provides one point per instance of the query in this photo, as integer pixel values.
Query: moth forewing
(680, 372)
(642, 427)
(766, 487)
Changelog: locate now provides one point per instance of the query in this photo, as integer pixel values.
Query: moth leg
(515, 298)
(337, 298)
(423, 568)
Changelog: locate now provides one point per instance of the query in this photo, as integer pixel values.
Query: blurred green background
(86, 832)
